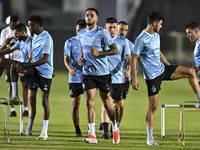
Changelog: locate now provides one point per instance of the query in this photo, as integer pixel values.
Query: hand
(21, 68)
(21, 74)
(126, 74)
(80, 62)
(195, 68)
(93, 51)
(7, 41)
(72, 72)
(135, 84)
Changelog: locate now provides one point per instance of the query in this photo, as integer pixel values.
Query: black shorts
(22, 79)
(126, 88)
(153, 86)
(100, 82)
(75, 89)
(38, 81)
(116, 91)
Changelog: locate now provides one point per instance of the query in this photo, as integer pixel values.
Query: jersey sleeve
(139, 44)
(67, 48)
(16, 45)
(3, 38)
(47, 45)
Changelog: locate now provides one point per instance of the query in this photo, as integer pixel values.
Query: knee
(89, 103)
(192, 72)
(153, 107)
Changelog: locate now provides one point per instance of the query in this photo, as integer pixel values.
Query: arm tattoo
(112, 51)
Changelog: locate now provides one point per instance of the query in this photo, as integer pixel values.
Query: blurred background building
(60, 18)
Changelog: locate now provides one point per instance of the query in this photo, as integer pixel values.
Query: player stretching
(24, 44)
(117, 74)
(71, 55)
(41, 70)
(156, 68)
(94, 41)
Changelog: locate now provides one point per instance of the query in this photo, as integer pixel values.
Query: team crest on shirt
(93, 38)
(153, 89)
(118, 47)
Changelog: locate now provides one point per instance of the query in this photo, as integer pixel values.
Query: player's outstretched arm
(112, 51)
(135, 83)
(163, 59)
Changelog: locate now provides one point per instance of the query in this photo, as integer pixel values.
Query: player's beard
(90, 24)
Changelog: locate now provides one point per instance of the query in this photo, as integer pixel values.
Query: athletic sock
(14, 89)
(12, 109)
(78, 130)
(30, 124)
(118, 124)
(25, 108)
(149, 133)
(92, 129)
(105, 126)
(114, 125)
(45, 126)
(197, 94)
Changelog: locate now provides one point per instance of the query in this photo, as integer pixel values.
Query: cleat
(28, 132)
(13, 114)
(152, 142)
(116, 137)
(105, 135)
(14, 101)
(79, 135)
(100, 126)
(43, 136)
(91, 139)
(25, 113)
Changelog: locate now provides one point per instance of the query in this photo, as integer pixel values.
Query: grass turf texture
(61, 130)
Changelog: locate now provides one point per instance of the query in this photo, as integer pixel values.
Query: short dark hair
(36, 19)
(81, 23)
(192, 25)
(111, 20)
(14, 18)
(20, 27)
(123, 22)
(154, 16)
(93, 9)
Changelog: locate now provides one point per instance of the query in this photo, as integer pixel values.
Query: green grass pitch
(61, 131)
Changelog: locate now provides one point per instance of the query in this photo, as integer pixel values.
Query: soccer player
(41, 70)
(94, 42)
(6, 33)
(72, 50)
(122, 31)
(117, 74)
(193, 33)
(24, 44)
(156, 68)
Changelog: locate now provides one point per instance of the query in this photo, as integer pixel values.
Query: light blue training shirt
(25, 47)
(100, 39)
(147, 46)
(116, 61)
(197, 56)
(72, 49)
(43, 44)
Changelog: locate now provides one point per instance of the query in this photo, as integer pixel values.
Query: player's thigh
(182, 72)
(5, 63)
(90, 95)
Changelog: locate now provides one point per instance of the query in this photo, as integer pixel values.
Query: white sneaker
(43, 136)
(151, 142)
